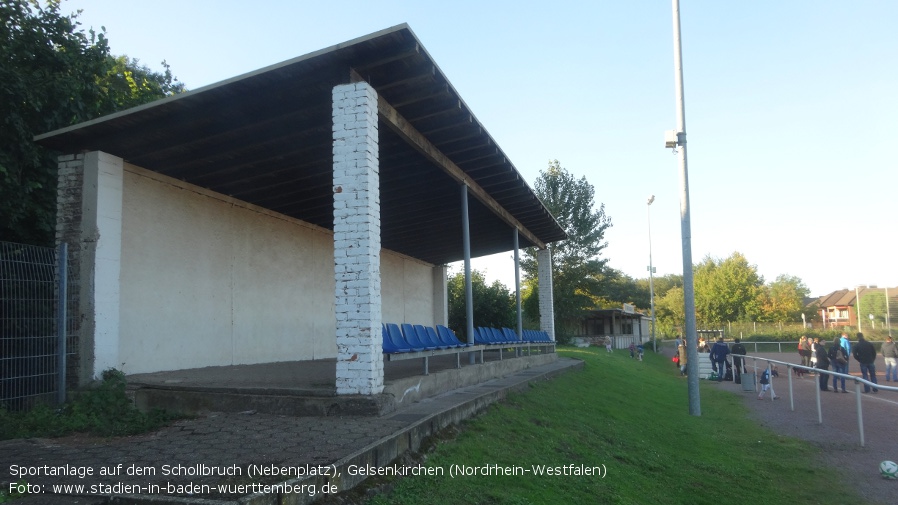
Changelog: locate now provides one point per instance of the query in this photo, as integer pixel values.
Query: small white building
(284, 214)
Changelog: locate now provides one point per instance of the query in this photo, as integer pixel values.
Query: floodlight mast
(685, 227)
(651, 274)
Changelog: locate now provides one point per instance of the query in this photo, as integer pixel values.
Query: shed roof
(265, 137)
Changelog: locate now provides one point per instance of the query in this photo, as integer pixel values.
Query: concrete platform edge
(437, 414)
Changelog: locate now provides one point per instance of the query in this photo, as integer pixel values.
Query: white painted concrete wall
(209, 280)
(408, 290)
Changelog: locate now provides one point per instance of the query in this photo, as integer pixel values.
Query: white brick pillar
(89, 219)
(546, 299)
(360, 368)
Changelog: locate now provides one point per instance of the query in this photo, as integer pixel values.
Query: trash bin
(748, 381)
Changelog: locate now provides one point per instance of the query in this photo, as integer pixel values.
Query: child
(765, 385)
(632, 349)
(639, 352)
(681, 353)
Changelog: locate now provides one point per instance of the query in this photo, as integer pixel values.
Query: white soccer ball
(889, 469)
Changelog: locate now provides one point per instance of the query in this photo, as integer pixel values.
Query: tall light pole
(888, 313)
(651, 274)
(685, 226)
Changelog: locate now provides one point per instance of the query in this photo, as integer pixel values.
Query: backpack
(836, 354)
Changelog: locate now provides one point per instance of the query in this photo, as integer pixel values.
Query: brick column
(89, 219)
(546, 299)
(357, 240)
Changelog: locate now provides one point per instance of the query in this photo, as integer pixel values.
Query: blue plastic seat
(398, 341)
(480, 336)
(412, 338)
(498, 337)
(426, 338)
(449, 336)
(510, 335)
(386, 345)
(434, 336)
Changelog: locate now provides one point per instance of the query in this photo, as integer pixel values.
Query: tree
(620, 288)
(671, 312)
(127, 83)
(668, 318)
(53, 75)
(727, 290)
(667, 282)
(873, 303)
(576, 261)
(494, 304)
(783, 299)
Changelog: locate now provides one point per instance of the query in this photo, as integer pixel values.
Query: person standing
(865, 354)
(890, 353)
(814, 344)
(719, 354)
(839, 360)
(681, 351)
(846, 344)
(608, 343)
(804, 350)
(738, 362)
(822, 364)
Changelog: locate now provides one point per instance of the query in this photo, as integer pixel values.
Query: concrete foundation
(308, 388)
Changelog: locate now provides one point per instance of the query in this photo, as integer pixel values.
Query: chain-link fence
(33, 323)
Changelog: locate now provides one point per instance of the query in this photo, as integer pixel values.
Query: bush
(793, 335)
(104, 410)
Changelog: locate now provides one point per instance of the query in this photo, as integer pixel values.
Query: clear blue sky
(791, 109)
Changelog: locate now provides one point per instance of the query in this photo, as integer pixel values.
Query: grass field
(632, 417)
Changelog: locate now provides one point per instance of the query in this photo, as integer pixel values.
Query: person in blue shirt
(767, 384)
(838, 358)
(846, 344)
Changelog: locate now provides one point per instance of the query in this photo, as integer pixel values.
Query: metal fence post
(791, 393)
(819, 407)
(62, 270)
(860, 411)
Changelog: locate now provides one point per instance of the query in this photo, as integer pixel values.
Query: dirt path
(838, 435)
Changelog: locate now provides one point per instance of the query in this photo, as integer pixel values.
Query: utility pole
(651, 275)
(685, 226)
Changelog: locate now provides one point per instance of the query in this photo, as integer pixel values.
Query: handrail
(789, 345)
(857, 383)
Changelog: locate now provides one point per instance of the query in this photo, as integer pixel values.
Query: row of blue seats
(417, 337)
(537, 336)
(483, 335)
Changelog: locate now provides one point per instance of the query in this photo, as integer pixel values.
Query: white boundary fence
(858, 383)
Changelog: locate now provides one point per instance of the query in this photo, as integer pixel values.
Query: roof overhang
(265, 138)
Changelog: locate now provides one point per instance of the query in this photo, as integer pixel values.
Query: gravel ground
(838, 435)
